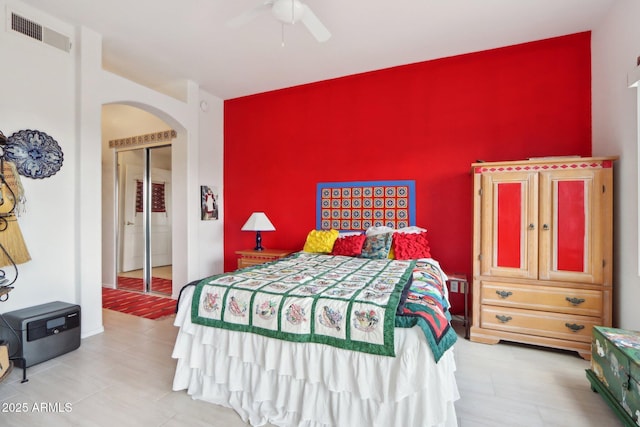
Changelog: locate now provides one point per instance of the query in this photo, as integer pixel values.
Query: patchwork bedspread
(346, 302)
(427, 306)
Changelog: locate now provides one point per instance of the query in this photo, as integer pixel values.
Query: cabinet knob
(545, 227)
(502, 318)
(574, 327)
(575, 301)
(532, 227)
(504, 294)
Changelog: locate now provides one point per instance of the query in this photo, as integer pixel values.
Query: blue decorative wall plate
(35, 154)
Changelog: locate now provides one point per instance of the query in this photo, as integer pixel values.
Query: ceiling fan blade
(250, 15)
(315, 27)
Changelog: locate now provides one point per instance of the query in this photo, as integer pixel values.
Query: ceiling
(163, 43)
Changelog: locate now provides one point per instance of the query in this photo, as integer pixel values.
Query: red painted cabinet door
(509, 239)
(546, 225)
(571, 224)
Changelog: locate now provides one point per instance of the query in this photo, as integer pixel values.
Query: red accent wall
(426, 122)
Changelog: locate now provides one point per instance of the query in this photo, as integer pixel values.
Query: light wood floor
(123, 377)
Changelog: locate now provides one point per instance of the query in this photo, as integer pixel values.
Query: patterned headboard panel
(356, 206)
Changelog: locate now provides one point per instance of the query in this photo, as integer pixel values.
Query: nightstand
(250, 257)
(458, 283)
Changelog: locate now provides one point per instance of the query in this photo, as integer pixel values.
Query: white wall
(62, 94)
(120, 121)
(615, 47)
(210, 165)
(38, 91)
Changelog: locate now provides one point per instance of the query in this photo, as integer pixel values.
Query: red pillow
(349, 245)
(411, 245)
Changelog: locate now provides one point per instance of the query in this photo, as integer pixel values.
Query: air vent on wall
(38, 32)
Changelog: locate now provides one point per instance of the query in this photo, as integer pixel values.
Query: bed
(332, 335)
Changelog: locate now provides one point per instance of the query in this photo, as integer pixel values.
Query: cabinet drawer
(249, 262)
(582, 302)
(242, 263)
(540, 323)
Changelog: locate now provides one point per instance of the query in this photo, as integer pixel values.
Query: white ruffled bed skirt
(304, 384)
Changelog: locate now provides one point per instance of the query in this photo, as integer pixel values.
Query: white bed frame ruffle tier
(267, 380)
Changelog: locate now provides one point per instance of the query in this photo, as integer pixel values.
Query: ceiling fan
(287, 12)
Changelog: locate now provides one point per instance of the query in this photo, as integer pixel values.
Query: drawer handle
(504, 294)
(503, 319)
(575, 301)
(574, 327)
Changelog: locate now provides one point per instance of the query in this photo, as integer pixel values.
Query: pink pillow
(349, 245)
(411, 245)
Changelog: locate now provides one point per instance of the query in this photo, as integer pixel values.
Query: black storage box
(46, 331)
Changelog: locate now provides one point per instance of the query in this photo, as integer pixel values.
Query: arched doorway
(138, 199)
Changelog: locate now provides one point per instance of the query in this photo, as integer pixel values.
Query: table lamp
(258, 222)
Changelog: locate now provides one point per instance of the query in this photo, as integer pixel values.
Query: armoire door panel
(570, 226)
(508, 242)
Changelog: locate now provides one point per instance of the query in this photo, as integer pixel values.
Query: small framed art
(208, 203)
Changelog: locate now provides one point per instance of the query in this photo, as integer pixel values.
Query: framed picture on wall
(208, 203)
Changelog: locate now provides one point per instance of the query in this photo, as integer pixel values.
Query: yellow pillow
(321, 241)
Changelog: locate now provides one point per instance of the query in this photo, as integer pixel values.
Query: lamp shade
(258, 221)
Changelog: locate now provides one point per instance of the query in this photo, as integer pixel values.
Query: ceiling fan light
(287, 11)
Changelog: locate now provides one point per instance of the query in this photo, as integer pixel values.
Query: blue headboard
(356, 206)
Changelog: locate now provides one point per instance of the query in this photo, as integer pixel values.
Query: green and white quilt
(341, 301)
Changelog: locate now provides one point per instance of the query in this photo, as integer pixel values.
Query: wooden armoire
(542, 251)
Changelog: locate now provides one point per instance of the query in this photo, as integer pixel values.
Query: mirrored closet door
(144, 219)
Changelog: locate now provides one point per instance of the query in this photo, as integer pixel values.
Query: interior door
(160, 220)
(145, 219)
(133, 238)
